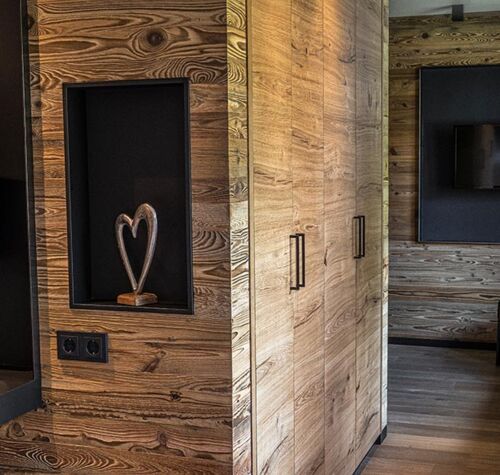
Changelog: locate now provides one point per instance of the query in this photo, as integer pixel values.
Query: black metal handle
(300, 261)
(363, 237)
(302, 240)
(360, 237)
(295, 237)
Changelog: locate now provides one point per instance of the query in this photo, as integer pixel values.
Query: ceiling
(440, 7)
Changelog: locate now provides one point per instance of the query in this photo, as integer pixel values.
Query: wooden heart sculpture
(145, 212)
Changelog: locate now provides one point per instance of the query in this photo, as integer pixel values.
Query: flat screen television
(477, 156)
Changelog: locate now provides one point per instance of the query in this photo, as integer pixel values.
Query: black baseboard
(381, 437)
(364, 462)
(466, 345)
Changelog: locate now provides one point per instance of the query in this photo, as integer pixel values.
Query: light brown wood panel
(272, 215)
(447, 278)
(444, 413)
(175, 396)
(340, 208)
(385, 213)
(238, 161)
(369, 292)
(369, 201)
(308, 207)
(322, 94)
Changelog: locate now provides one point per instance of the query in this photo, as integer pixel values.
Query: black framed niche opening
(127, 143)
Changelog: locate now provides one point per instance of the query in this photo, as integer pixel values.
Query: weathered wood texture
(447, 292)
(369, 203)
(272, 207)
(340, 207)
(385, 212)
(444, 413)
(316, 108)
(174, 397)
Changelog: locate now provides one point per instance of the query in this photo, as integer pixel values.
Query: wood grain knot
(175, 396)
(16, 430)
(155, 38)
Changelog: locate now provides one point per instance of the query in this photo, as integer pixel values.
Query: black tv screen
(477, 156)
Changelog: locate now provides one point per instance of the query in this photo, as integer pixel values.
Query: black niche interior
(127, 143)
(451, 97)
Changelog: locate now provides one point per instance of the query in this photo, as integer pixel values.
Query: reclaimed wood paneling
(369, 203)
(340, 208)
(308, 212)
(316, 133)
(239, 234)
(446, 292)
(272, 215)
(385, 213)
(175, 396)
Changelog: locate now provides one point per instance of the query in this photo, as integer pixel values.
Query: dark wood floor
(444, 413)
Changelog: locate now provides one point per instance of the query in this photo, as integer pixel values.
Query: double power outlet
(92, 347)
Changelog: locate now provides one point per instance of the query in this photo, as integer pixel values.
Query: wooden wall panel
(240, 234)
(308, 212)
(272, 216)
(340, 207)
(176, 395)
(446, 292)
(369, 199)
(385, 215)
(166, 401)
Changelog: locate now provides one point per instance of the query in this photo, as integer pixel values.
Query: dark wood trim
(466, 345)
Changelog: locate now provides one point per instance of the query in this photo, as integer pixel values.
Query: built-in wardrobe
(316, 132)
(256, 129)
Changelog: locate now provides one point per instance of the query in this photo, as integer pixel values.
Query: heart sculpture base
(137, 300)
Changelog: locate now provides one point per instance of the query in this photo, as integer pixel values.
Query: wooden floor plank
(444, 413)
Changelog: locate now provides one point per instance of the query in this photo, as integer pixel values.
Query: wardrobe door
(340, 208)
(272, 217)
(308, 203)
(369, 208)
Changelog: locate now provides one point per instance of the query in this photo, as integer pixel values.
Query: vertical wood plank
(308, 208)
(239, 235)
(385, 214)
(271, 95)
(340, 208)
(369, 105)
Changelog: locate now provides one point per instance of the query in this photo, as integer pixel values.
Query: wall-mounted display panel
(454, 99)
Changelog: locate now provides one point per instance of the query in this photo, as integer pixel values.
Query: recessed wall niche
(127, 143)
